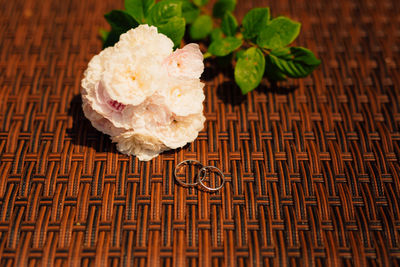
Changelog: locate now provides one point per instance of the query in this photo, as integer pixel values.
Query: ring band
(188, 161)
(202, 177)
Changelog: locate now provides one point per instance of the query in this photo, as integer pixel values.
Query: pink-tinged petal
(186, 63)
(115, 105)
(98, 121)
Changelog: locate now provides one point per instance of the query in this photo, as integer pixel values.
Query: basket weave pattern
(312, 166)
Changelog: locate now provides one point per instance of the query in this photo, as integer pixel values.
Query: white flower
(143, 145)
(186, 62)
(185, 96)
(129, 78)
(144, 39)
(99, 122)
(145, 96)
(181, 131)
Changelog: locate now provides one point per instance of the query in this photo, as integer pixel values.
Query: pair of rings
(201, 175)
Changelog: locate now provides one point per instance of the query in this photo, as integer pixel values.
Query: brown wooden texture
(312, 166)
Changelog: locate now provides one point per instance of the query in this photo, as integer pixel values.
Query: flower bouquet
(149, 98)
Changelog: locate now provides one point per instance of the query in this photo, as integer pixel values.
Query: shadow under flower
(230, 93)
(83, 133)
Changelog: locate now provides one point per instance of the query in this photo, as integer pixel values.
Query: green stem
(207, 55)
(248, 43)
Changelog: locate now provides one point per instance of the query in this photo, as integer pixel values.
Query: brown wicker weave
(312, 166)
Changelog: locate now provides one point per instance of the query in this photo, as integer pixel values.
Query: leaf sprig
(259, 46)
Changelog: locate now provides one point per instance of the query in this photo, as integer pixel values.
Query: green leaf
(280, 32)
(223, 47)
(223, 6)
(120, 20)
(200, 3)
(254, 21)
(272, 72)
(163, 11)
(138, 8)
(239, 54)
(229, 24)
(174, 29)
(112, 38)
(249, 69)
(305, 55)
(295, 62)
(103, 34)
(189, 11)
(216, 34)
(201, 27)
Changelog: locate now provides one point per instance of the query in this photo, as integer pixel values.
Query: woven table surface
(312, 165)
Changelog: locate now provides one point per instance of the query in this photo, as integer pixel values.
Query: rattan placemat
(312, 165)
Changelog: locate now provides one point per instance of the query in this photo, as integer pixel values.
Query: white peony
(145, 96)
(186, 62)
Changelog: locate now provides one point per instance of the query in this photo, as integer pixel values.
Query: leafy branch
(260, 44)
